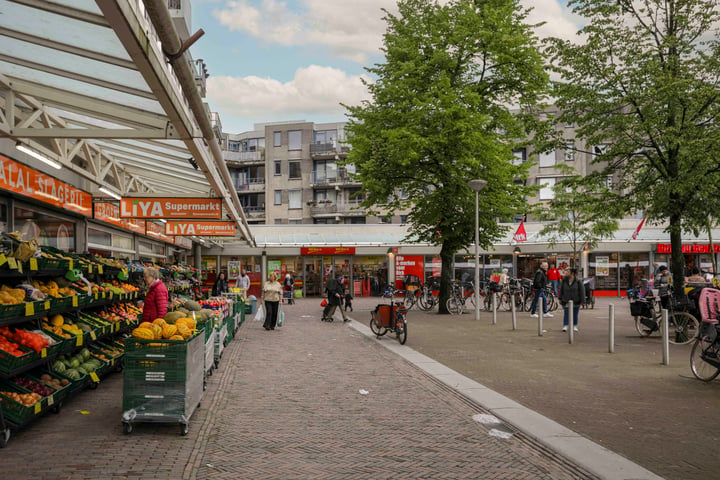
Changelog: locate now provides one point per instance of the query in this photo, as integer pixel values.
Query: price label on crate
(112, 362)
(47, 304)
(29, 309)
(19, 267)
(43, 353)
(94, 377)
(100, 269)
(89, 267)
(78, 340)
(51, 400)
(71, 264)
(103, 294)
(75, 301)
(12, 263)
(111, 295)
(33, 264)
(92, 335)
(3, 259)
(38, 407)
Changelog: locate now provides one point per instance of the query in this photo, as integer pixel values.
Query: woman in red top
(156, 298)
(554, 276)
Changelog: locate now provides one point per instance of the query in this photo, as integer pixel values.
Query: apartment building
(294, 173)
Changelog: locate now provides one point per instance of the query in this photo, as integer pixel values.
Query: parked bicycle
(460, 293)
(552, 302)
(647, 313)
(427, 298)
(390, 318)
(705, 354)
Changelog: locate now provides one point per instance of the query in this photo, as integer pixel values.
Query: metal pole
(514, 313)
(571, 322)
(476, 286)
(494, 303)
(611, 330)
(540, 320)
(665, 338)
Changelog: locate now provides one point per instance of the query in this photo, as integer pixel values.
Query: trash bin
(253, 300)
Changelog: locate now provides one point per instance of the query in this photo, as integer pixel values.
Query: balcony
(174, 4)
(254, 213)
(244, 157)
(342, 178)
(320, 149)
(251, 185)
(320, 209)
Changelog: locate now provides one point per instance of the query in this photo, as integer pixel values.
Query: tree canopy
(644, 82)
(440, 116)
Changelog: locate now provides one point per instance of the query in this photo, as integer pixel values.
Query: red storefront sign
(157, 231)
(18, 178)
(185, 208)
(109, 213)
(695, 248)
(210, 229)
(327, 251)
(408, 265)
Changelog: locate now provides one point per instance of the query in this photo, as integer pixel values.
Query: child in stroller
(348, 302)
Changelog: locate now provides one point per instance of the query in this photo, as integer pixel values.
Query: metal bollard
(665, 338)
(514, 314)
(611, 330)
(540, 321)
(494, 306)
(571, 322)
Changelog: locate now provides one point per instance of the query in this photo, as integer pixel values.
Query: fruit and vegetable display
(31, 340)
(180, 328)
(10, 347)
(76, 366)
(64, 327)
(27, 399)
(34, 386)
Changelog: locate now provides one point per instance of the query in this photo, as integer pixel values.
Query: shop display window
(49, 230)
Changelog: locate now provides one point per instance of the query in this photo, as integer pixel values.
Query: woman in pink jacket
(156, 298)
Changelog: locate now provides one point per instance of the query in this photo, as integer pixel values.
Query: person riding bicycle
(539, 284)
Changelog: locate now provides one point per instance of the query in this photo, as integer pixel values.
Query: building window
(386, 219)
(295, 140)
(294, 169)
(277, 197)
(233, 146)
(295, 221)
(278, 167)
(547, 159)
(599, 149)
(547, 191)
(609, 182)
(326, 136)
(570, 152)
(325, 171)
(403, 219)
(253, 145)
(277, 139)
(520, 155)
(295, 199)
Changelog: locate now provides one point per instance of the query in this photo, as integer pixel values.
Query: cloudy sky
(274, 60)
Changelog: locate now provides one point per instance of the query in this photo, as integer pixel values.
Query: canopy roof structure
(90, 85)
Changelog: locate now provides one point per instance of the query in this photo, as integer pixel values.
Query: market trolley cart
(163, 381)
(209, 351)
(220, 338)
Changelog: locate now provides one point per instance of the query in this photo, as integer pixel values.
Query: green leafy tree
(582, 213)
(645, 84)
(439, 117)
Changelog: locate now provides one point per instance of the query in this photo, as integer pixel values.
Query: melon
(192, 306)
(144, 333)
(145, 325)
(176, 337)
(171, 317)
(168, 331)
(157, 331)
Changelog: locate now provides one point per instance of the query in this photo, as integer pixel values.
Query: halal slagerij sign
(18, 178)
(205, 208)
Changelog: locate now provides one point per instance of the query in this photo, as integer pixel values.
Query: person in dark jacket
(539, 284)
(156, 298)
(571, 289)
(221, 285)
(336, 293)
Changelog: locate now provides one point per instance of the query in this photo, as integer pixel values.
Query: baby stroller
(589, 300)
(348, 302)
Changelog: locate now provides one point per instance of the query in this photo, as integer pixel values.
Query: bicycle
(705, 354)
(647, 313)
(552, 303)
(390, 318)
(459, 296)
(426, 299)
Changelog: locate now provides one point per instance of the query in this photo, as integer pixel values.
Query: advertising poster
(233, 270)
(602, 266)
(274, 266)
(408, 265)
(563, 263)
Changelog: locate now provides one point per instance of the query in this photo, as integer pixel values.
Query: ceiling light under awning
(37, 155)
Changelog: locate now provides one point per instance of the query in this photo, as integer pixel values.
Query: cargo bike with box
(390, 318)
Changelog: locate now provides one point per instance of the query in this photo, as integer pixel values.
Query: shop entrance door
(313, 277)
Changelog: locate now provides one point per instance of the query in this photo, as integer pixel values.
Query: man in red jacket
(156, 298)
(554, 276)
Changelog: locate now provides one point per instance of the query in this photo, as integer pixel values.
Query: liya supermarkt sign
(181, 208)
(23, 180)
(210, 229)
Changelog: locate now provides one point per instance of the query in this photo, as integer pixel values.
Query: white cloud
(559, 20)
(314, 91)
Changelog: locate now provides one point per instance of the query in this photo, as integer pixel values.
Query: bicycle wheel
(699, 355)
(401, 329)
(376, 328)
(528, 302)
(519, 304)
(683, 328)
(409, 300)
(552, 302)
(646, 329)
(454, 305)
(425, 300)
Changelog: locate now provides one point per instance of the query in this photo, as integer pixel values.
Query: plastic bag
(281, 317)
(260, 314)
(323, 303)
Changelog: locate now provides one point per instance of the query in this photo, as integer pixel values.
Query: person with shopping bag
(335, 295)
(271, 296)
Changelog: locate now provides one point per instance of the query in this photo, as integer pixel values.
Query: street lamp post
(476, 186)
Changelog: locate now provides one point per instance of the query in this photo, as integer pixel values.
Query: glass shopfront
(48, 229)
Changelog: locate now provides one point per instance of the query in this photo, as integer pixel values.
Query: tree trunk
(678, 259)
(713, 257)
(446, 277)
